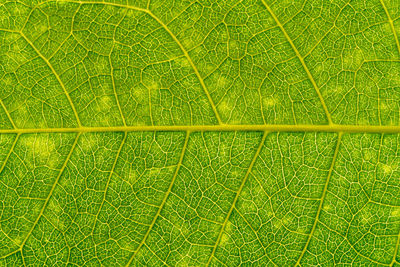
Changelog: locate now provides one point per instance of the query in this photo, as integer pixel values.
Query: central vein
(225, 127)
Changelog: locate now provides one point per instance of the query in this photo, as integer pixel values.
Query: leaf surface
(199, 133)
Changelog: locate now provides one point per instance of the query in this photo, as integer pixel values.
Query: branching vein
(260, 146)
(55, 75)
(164, 199)
(51, 191)
(322, 198)
(327, 113)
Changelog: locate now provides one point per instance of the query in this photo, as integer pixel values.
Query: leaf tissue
(199, 133)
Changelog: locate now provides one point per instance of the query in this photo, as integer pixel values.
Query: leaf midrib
(335, 128)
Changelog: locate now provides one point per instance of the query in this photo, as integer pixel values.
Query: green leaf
(199, 133)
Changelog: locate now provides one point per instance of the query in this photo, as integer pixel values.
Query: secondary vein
(181, 47)
(309, 75)
(9, 153)
(237, 196)
(103, 200)
(51, 191)
(164, 199)
(390, 20)
(322, 198)
(55, 75)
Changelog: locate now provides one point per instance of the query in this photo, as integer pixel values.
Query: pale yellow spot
(124, 243)
(363, 121)
(387, 29)
(383, 106)
(23, 113)
(45, 146)
(395, 77)
(365, 217)
(220, 217)
(52, 161)
(395, 212)
(301, 230)
(338, 89)
(101, 66)
(286, 3)
(233, 45)
(236, 173)
(387, 169)
(318, 68)
(12, 37)
(327, 207)
(18, 240)
(277, 224)
(270, 101)
(358, 56)
(367, 155)
(140, 123)
(7, 81)
(224, 239)
(181, 228)
(352, 60)
(110, 9)
(154, 172)
(209, 68)
(36, 209)
(182, 62)
(176, 11)
(140, 94)
(185, 259)
(57, 222)
(106, 100)
(89, 143)
(222, 81)
(131, 14)
(244, 195)
(132, 176)
(104, 104)
(187, 43)
(397, 27)
(54, 207)
(228, 227)
(287, 219)
(42, 28)
(224, 106)
(42, 124)
(153, 85)
(41, 145)
(16, 56)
